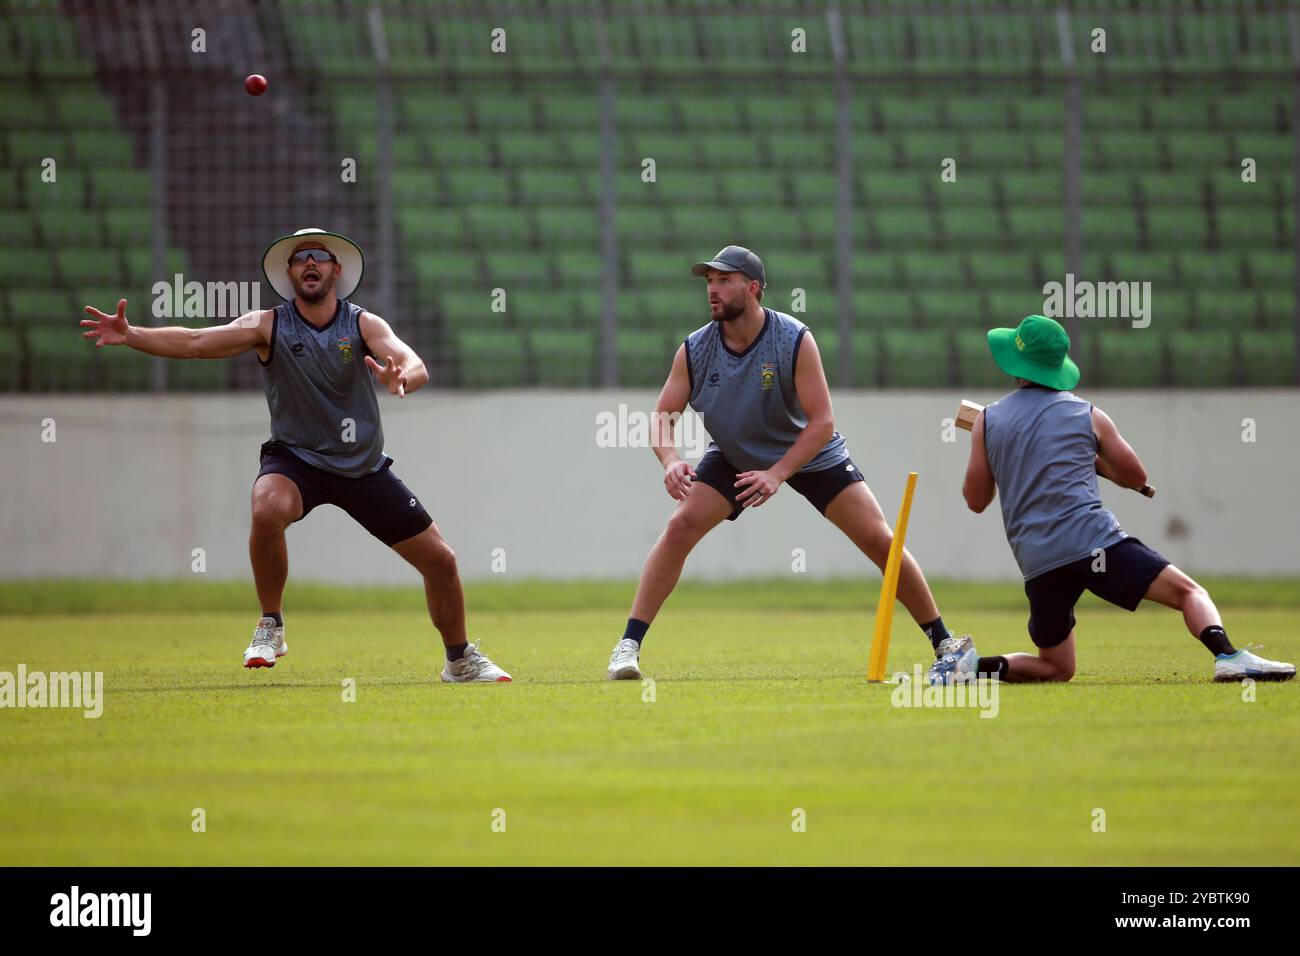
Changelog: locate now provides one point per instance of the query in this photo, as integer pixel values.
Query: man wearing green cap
(1041, 448)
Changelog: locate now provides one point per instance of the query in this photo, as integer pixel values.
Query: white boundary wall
(133, 484)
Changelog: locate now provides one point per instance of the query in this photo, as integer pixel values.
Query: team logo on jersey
(769, 374)
(713, 378)
(345, 346)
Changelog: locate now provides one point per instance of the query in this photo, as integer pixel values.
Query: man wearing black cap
(755, 377)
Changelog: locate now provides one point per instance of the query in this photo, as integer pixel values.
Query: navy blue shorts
(1130, 568)
(820, 487)
(380, 502)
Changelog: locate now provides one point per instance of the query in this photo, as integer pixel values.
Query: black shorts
(380, 502)
(1130, 568)
(820, 487)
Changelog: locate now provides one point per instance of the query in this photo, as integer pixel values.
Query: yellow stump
(889, 589)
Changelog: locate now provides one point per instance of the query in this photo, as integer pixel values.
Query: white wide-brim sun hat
(275, 262)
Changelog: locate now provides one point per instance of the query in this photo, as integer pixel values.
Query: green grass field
(760, 707)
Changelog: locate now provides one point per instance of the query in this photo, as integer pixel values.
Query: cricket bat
(968, 411)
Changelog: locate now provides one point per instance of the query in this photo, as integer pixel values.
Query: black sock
(993, 667)
(635, 630)
(456, 651)
(935, 631)
(279, 621)
(1215, 638)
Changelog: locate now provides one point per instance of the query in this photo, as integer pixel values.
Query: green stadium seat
(947, 308)
(1210, 269)
(1272, 267)
(1180, 225)
(1242, 226)
(1268, 358)
(139, 271)
(564, 359)
(114, 186)
(1172, 189)
(430, 224)
(863, 364)
(1106, 112)
(644, 357)
(876, 269)
(511, 111)
(671, 153)
(43, 307)
(898, 227)
(1132, 358)
(1279, 309)
(1124, 150)
(975, 365)
(447, 148)
(1183, 112)
(759, 187)
(1037, 225)
(1233, 310)
(472, 309)
(882, 308)
(1272, 153)
(1257, 110)
(68, 190)
(636, 227)
(500, 225)
(636, 111)
(1039, 112)
(1157, 268)
(909, 112)
(970, 225)
(934, 269)
(491, 359)
(530, 149)
(423, 109)
(916, 358)
(979, 112)
(102, 147)
(1201, 359)
(885, 188)
(59, 225)
(91, 264)
(1107, 187)
(1001, 268)
(788, 267)
(25, 148)
(1034, 188)
(516, 267)
(414, 185)
(128, 225)
(809, 152)
(545, 186)
(1105, 226)
(17, 228)
(25, 266)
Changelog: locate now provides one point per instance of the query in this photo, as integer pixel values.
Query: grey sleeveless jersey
(316, 380)
(1042, 451)
(747, 399)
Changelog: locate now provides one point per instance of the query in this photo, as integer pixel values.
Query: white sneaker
(625, 662)
(267, 646)
(473, 666)
(957, 660)
(1244, 664)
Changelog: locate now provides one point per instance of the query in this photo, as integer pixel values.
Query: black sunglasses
(314, 255)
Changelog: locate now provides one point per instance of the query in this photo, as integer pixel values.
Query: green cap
(1037, 351)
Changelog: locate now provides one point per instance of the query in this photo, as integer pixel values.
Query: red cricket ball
(255, 84)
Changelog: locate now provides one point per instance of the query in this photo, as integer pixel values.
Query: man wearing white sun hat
(327, 443)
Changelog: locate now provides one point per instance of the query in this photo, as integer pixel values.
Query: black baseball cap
(734, 259)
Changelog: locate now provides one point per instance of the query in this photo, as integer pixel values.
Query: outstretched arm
(249, 331)
(402, 371)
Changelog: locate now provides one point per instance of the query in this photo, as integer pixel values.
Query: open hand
(756, 487)
(390, 374)
(108, 329)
